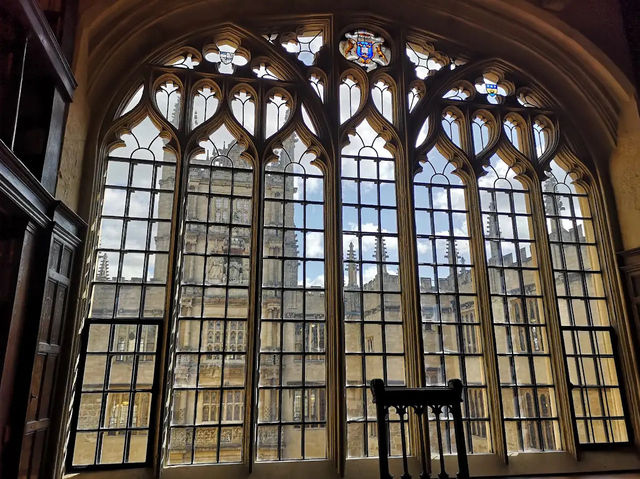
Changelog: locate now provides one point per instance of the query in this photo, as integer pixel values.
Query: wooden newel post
(461, 448)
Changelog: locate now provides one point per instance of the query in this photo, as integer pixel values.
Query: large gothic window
(285, 215)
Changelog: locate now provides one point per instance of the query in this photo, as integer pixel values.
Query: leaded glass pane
(372, 304)
(449, 311)
(209, 371)
(292, 377)
(127, 304)
(522, 347)
(584, 311)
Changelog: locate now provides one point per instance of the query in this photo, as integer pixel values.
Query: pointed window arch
(286, 215)
(584, 308)
(372, 300)
(448, 297)
(514, 286)
(292, 370)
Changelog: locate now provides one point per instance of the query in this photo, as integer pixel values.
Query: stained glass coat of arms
(366, 49)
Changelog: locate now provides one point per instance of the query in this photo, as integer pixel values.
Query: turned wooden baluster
(461, 447)
(437, 410)
(424, 444)
(401, 410)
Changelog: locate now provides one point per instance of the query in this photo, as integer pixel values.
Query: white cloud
(369, 272)
(315, 245)
(317, 282)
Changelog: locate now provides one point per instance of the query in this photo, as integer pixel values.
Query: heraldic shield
(366, 49)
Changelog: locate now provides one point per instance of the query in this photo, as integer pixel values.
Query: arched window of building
(286, 215)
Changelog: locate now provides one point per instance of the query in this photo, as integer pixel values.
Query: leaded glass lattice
(372, 301)
(519, 323)
(127, 301)
(292, 377)
(254, 248)
(584, 311)
(450, 320)
(209, 366)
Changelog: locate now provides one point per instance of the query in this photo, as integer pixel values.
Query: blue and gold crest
(492, 89)
(365, 49)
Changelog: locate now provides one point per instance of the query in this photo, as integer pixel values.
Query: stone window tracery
(272, 216)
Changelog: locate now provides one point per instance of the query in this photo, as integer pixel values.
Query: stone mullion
(165, 335)
(255, 290)
(552, 319)
(407, 250)
(336, 397)
(476, 239)
(333, 297)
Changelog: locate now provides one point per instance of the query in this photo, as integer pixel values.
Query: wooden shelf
(33, 19)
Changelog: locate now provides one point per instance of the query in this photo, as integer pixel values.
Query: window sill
(486, 465)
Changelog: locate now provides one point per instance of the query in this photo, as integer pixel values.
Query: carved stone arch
(495, 128)
(462, 121)
(111, 137)
(387, 132)
(212, 82)
(224, 110)
(194, 87)
(382, 75)
(432, 138)
(363, 84)
(297, 126)
(192, 146)
(522, 167)
(463, 168)
(575, 168)
(285, 93)
(554, 136)
(523, 129)
(154, 84)
(226, 104)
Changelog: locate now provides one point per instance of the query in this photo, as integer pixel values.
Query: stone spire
(352, 268)
(493, 231)
(102, 274)
(380, 253)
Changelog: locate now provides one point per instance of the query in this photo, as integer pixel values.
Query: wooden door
(46, 359)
